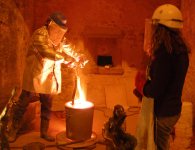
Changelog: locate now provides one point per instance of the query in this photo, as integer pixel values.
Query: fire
(79, 105)
(82, 96)
(81, 102)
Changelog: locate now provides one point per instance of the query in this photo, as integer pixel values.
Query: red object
(140, 80)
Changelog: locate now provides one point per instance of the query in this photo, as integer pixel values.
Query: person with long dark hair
(166, 71)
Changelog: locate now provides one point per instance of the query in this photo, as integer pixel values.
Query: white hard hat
(168, 15)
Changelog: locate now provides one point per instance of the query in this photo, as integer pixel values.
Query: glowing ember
(80, 104)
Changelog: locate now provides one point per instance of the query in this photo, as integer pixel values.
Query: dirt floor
(30, 138)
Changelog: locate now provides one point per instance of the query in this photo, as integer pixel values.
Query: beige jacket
(42, 73)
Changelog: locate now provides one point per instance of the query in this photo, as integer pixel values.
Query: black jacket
(167, 72)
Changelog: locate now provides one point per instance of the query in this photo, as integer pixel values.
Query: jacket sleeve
(41, 45)
(160, 74)
(67, 49)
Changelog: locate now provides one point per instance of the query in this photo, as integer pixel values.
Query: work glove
(81, 61)
(60, 61)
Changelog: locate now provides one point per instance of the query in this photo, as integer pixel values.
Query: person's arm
(79, 59)
(41, 45)
(67, 49)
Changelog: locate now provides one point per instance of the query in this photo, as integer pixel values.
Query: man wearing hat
(42, 74)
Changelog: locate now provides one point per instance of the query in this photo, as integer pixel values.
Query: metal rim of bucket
(70, 106)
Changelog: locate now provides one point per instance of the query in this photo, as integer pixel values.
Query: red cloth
(140, 80)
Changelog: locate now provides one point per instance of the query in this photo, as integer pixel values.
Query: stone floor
(101, 115)
(57, 127)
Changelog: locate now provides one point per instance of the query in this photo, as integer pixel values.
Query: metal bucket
(79, 121)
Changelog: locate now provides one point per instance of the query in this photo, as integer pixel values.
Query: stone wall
(13, 38)
(128, 16)
(189, 32)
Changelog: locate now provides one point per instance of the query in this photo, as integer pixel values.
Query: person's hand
(69, 64)
(138, 94)
(72, 65)
(60, 61)
(82, 61)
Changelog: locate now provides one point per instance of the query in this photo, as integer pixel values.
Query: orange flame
(81, 94)
(81, 102)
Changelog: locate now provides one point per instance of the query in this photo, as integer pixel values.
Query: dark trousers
(163, 128)
(24, 100)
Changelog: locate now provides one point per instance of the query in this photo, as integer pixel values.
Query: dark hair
(171, 38)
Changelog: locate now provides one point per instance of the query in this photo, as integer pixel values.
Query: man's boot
(44, 129)
(13, 130)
